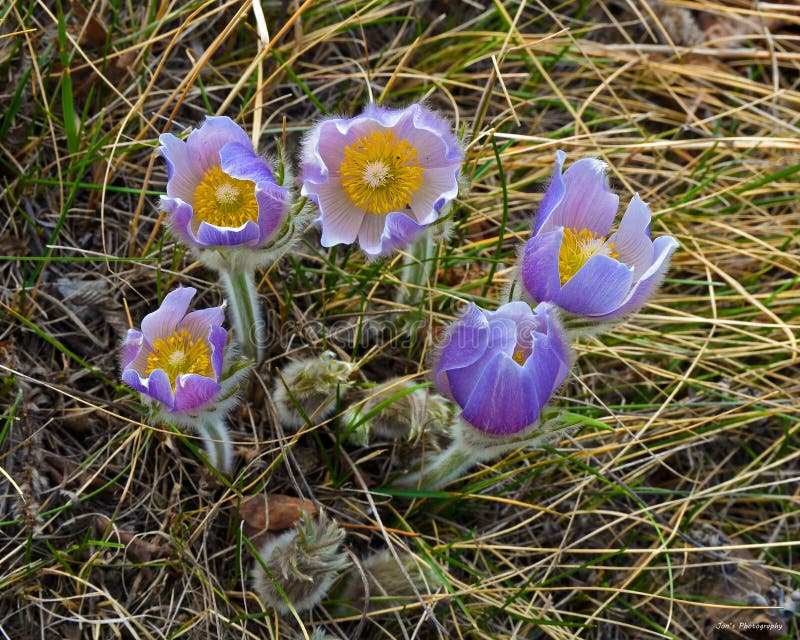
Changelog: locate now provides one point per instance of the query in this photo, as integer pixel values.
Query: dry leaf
(272, 512)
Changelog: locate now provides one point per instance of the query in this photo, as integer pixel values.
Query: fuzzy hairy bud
(309, 389)
(398, 409)
(390, 583)
(295, 570)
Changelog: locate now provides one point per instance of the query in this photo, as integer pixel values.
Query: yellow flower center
(178, 354)
(576, 249)
(380, 173)
(224, 201)
(519, 356)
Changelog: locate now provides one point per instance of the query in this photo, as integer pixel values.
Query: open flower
(381, 177)
(177, 358)
(572, 261)
(220, 193)
(501, 367)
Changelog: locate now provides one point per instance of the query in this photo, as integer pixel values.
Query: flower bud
(295, 570)
(309, 388)
(391, 583)
(398, 409)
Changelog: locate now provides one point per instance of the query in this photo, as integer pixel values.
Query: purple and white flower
(381, 177)
(502, 367)
(572, 261)
(177, 358)
(220, 193)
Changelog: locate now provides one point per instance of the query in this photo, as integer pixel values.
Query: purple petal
(155, 386)
(193, 391)
(322, 151)
(428, 120)
(503, 333)
(199, 323)
(339, 219)
(131, 345)
(643, 290)
(553, 195)
(597, 288)
(212, 235)
(179, 217)
(464, 343)
(539, 265)
(241, 162)
(161, 323)
(273, 209)
(387, 118)
(205, 144)
(632, 241)
(549, 364)
(218, 339)
(524, 323)
(501, 339)
(134, 380)
(399, 232)
(504, 401)
(184, 173)
(438, 186)
(587, 202)
(370, 233)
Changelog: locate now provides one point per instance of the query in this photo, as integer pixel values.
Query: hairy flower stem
(240, 289)
(416, 270)
(439, 469)
(216, 441)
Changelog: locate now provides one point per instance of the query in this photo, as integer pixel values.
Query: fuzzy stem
(416, 269)
(216, 441)
(240, 288)
(440, 469)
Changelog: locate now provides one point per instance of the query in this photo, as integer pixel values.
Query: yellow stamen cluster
(180, 354)
(224, 201)
(519, 356)
(576, 249)
(380, 172)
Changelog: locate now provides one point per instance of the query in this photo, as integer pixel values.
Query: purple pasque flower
(177, 357)
(501, 367)
(381, 177)
(220, 193)
(572, 261)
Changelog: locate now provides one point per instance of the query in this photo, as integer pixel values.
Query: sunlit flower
(572, 261)
(381, 177)
(177, 358)
(501, 367)
(220, 193)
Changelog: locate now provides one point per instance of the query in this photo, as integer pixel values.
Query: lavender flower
(178, 363)
(501, 367)
(381, 177)
(572, 261)
(177, 357)
(219, 192)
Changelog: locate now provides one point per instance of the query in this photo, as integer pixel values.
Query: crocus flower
(572, 261)
(220, 193)
(501, 367)
(381, 177)
(177, 357)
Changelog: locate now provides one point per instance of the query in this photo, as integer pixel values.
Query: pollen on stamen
(180, 354)
(224, 201)
(577, 246)
(380, 172)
